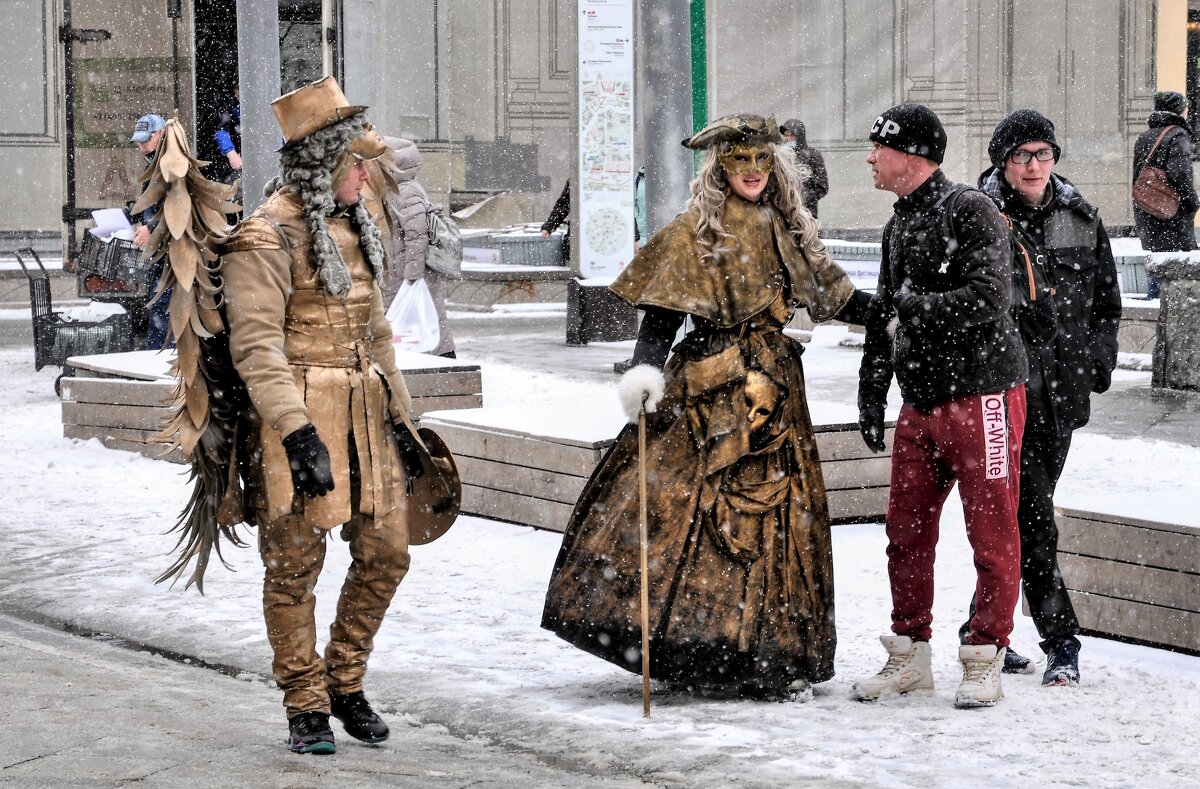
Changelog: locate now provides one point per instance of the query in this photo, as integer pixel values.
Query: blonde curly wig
(784, 192)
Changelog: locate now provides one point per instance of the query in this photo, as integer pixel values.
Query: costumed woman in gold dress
(741, 572)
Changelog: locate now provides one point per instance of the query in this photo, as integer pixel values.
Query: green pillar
(699, 66)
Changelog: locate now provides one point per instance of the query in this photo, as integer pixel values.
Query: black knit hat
(1169, 101)
(1018, 128)
(912, 128)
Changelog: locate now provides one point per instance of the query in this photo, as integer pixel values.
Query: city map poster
(606, 166)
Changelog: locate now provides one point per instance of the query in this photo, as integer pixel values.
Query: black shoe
(1015, 663)
(357, 717)
(309, 732)
(1062, 665)
(620, 368)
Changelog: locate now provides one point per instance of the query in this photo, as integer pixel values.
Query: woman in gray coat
(407, 205)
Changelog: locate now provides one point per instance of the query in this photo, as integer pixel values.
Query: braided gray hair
(308, 166)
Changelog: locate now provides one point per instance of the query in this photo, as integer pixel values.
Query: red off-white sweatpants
(976, 442)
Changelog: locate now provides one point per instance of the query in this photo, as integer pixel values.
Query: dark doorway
(300, 55)
(216, 77)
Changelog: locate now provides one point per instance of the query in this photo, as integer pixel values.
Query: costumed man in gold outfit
(308, 336)
(740, 562)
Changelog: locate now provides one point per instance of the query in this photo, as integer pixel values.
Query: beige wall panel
(29, 132)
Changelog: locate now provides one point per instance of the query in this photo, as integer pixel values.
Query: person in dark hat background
(308, 336)
(741, 573)
(940, 323)
(816, 178)
(1174, 154)
(1069, 327)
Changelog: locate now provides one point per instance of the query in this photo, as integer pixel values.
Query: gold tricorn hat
(311, 108)
(735, 128)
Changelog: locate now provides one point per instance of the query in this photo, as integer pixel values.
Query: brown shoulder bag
(1151, 192)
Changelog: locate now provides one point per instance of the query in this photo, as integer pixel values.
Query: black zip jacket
(1067, 232)
(950, 298)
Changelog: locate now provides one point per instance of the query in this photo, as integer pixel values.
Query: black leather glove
(309, 461)
(1103, 378)
(410, 454)
(907, 304)
(870, 425)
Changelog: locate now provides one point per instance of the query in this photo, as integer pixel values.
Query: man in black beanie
(1068, 310)
(1167, 127)
(940, 321)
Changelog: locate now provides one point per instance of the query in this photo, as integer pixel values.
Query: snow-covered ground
(84, 538)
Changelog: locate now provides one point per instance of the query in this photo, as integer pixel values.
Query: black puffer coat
(1068, 233)
(948, 281)
(1175, 156)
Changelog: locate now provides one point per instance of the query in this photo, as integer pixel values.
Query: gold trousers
(293, 554)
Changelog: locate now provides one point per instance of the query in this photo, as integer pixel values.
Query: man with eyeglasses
(1068, 250)
(940, 323)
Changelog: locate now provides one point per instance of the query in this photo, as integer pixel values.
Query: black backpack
(1033, 290)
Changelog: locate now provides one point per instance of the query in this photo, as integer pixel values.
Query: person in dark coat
(941, 325)
(561, 212)
(1174, 155)
(816, 182)
(1063, 253)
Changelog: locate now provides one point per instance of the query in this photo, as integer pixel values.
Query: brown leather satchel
(1151, 192)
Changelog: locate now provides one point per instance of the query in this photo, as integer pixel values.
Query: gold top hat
(311, 108)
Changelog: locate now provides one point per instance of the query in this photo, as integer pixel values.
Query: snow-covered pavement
(461, 649)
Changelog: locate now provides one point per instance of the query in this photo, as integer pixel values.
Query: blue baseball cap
(146, 126)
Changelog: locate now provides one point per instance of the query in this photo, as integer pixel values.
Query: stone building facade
(486, 86)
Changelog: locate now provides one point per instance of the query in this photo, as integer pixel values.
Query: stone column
(1177, 346)
(258, 77)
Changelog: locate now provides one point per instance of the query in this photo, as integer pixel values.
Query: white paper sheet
(111, 222)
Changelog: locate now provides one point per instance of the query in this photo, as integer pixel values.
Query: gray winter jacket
(407, 206)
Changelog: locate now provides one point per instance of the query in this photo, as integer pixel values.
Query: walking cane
(645, 539)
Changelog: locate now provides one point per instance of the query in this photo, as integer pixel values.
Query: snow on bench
(123, 399)
(529, 466)
(1132, 579)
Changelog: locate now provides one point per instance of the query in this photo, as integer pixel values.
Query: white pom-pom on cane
(638, 382)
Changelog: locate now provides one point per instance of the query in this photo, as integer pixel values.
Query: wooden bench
(529, 466)
(1132, 579)
(484, 285)
(122, 399)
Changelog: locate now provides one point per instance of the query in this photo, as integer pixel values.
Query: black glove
(309, 461)
(907, 304)
(1103, 378)
(870, 425)
(410, 454)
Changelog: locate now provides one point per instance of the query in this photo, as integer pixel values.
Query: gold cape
(741, 279)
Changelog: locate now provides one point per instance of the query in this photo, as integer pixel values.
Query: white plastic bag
(414, 319)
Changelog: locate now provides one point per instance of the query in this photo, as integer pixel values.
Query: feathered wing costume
(209, 396)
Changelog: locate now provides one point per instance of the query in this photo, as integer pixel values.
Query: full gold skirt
(740, 559)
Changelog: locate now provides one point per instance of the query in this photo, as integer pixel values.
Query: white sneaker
(907, 669)
(980, 686)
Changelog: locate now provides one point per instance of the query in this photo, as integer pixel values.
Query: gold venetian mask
(745, 158)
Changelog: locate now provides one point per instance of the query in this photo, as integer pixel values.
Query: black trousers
(1043, 455)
